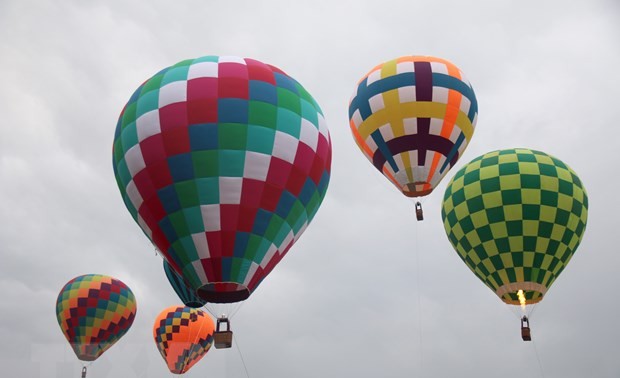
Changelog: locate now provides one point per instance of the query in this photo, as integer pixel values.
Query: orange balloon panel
(183, 336)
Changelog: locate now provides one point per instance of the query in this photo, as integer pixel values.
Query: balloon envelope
(413, 117)
(516, 217)
(183, 336)
(223, 162)
(182, 289)
(94, 312)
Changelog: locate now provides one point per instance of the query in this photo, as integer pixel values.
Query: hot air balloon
(94, 312)
(516, 217)
(183, 291)
(413, 117)
(223, 162)
(183, 336)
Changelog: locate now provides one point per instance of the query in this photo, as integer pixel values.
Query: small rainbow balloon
(94, 312)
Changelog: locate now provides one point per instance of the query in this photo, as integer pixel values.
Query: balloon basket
(222, 339)
(418, 211)
(525, 329)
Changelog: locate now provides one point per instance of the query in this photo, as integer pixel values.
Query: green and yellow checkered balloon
(516, 217)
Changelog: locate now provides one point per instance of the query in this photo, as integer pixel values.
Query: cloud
(367, 290)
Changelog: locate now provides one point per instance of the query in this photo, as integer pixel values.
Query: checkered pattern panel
(413, 117)
(183, 336)
(516, 217)
(94, 312)
(223, 162)
(188, 295)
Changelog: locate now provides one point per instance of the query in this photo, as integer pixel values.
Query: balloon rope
(84, 368)
(241, 356)
(206, 307)
(515, 310)
(418, 284)
(235, 310)
(542, 373)
(532, 341)
(534, 307)
(214, 311)
(518, 313)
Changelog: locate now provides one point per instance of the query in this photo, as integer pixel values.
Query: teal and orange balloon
(183, 335)
(94, 311)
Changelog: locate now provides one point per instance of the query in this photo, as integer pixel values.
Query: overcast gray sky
(367, 291)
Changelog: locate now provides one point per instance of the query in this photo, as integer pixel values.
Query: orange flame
(521, 299)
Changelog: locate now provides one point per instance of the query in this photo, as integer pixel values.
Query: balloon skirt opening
(534, 292)
(193, 304)
(413, 190)
(87, 358)
(223, 292)
(84, 354)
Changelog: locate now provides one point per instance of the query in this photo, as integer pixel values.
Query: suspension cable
(419, 291)
(542, 373)
(235, 340)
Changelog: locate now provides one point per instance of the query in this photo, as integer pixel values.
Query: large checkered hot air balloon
(94, 311)
(413, 117)
(223, 162)
(516, 217)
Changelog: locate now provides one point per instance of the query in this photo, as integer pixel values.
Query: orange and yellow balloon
(183, 336)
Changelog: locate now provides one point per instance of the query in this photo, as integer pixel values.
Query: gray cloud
(367, 291)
